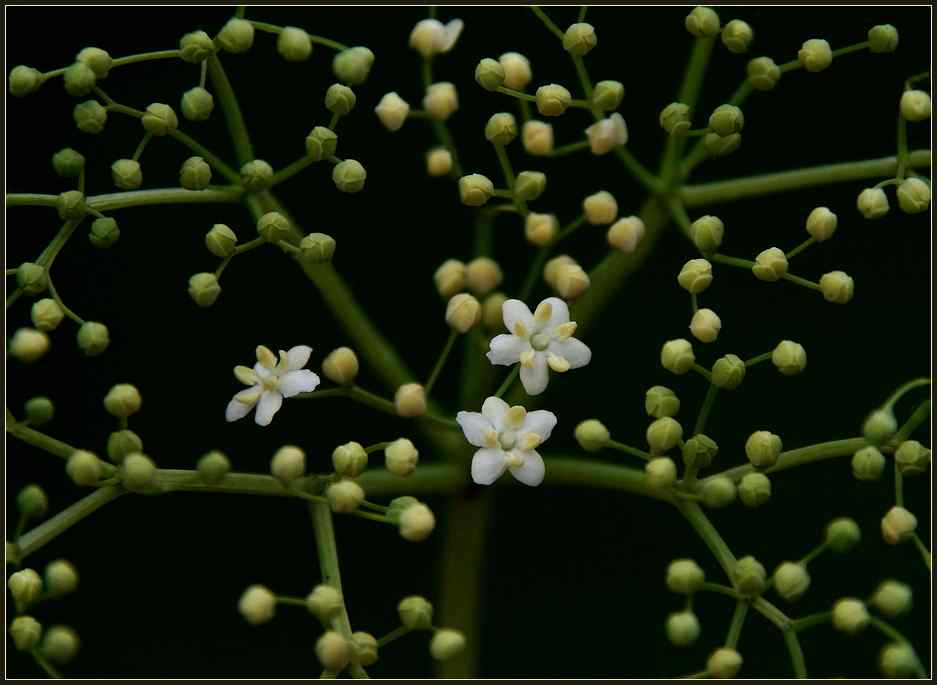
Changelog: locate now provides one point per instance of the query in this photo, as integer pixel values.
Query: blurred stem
(919, 416)
(704, 410)
(161, 196)
(738, 620)
(48, 530)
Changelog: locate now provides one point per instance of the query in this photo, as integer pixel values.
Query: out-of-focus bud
(341, 366)
(492, 317)
(446, 643)
(79, 79)
(737, 36)
(763, 73)
(258, 604)
(60, 644)
(592, 435)
(607, 134)
(626, 233)
(915, 105)
(61, 578)
(450, 277)
(123, 400)
(441, 100)
(718, 492)
(410, 400)
(324, 601)
(898, 525)
(600, 208)
(121, 443)
(661, 473)
(416, 522)
(32, 501)
(749, 576)
(438, 161)
(684, 576)
(898, 660)
(725, 662)
(333, 651)
(137, 472)
(682, 628)
(213, 467)
(754, 489)
(415, 612)
(294, 44)
(345, 496)
(537, 137)
(29, 345)
(288, 464)
(483, 275)
(842, 534)
(702, 22)
(517, 73)
(540, 229)
(880, 426)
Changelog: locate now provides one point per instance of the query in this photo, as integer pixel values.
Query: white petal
(453, 30)
(506, 349)
(487, 466)
(262, 371)
(270, 403)
(559, 315)
(237, 410)
(533, 470)
(573, 350)
(474, 426)
(621, 128)
(541, 422)
(249, 396)
(536, 377)
(494, 409)
(516, 312)
(295, 382)
(298, 357)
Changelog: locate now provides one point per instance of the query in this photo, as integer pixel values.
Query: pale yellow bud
(483, 275)
(898, 525)
(537, 137)
(552, 268)
(438, 161)
(540, 229)
(401, 457)
(626, 233)
(492, 316)
(517, 73)
(288, 464)
(441, 100)
(416, 522)
(345, 496)
(821, 224)
(571, 281)
(341, 366)
(600, 208)
(815, 55)
(705, 325)
(392, 110)
(410, 400)
(836, 286)
(450, 277)
(463, 312)
(332, 650)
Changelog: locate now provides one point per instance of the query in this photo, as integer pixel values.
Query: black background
(573, 581)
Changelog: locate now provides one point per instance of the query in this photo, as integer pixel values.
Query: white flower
(429, 37)
(508, 438)
(538, 341)
(607, 134)
(270, 382)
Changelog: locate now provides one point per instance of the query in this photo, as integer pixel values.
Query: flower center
(540, 341)
(507, 440)
(270, 383)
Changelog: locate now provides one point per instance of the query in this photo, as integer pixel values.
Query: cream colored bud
(517, 74)
(123, 400)
(483, 275)
(737, 36)
(540, 229)
(815, 55)
(791, 580)
(626, 233)
(898, 525)
(763, 448)
(600, 208)
(324, 601)
(438, 161)
(333, 652)
(661, 473)
(705, 325)
(913, 196)
(537, 137)
(836, 286)
(915, 105)
(530, 185)
(83, 468)
(501, 128)
(288, 464)
(450, 277)
(349, 460)
(789, 357)
(702, 22)
(552, 100)
(492, 316)
(571, 281)
(46, 314)
(441, 100)
(607, 134)
(446, 643)
(28, 344)
(463, 312)
(553, 266)
(770, 265)
(25, 586)
(341, 366)
(592, 435)
(431, 37)
(401, 457)
(410, 400)
(821, 224)
(345, 496)
(416, 522)
(677, 356)
(850, 615)
(725, 662)
(872, 203)
(664, 434)
(695, 276)
(393, 111)
(475, 190)
(706, 233)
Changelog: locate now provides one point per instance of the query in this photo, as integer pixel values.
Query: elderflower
(270, 382)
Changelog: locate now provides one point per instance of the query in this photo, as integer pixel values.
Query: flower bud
(913, 196)
(540, 229)
(441, 100)
(350, 459)
(430, 37)
(842, 534)
(71, 205)
(349, 176)
(912, 457)
(415, 612)
(416, 522)
(529, 185)
(836, 286)
(850, 615)
(660, 402)
(868, 464)
(737, 36)
(197, 104)
(341, 366)
(898, 525)
(483, 275)
(682, 628)
(321, 143)
(489, 74)
(345, 496)
(706, 233)
(491, 312)
(324, 602)
(288, 463)
(236, 36)
(25, 631)
(463, 312)
(607, 134)
(607, 95)
(90, 116)
(789, 358)
(719, 146)
(401, 457)
(725, 662)
(537, 137)
(592, 435)
(517, 74)
(256, 175)
(883, 38)
(137, 472)
(718, 491)
(121, 443)
(273, 227)
(204, 289)
(726, 120)
(31, 278)
(770, 265)
(815, 55)
(438, 161)
(763, 448)
(24, 81)
(29, 345)
(258, 604)
(450, 277)
(97, 59)
(446, 643)
(159, 119)
(872, 203)
(25, 586)
(553, 267)
(898, 660)
(104, 232)
(68, 163)
(195, 174)
(571, 281)
(684, 576)
(677, 356)
(705, 325)
(60, 644)
(353, 65)
(127, 174)
(699, 451)
(196, 47)
(880, 426)
(696, 275)
(754, 489)
(40, 410)
(61, 578)
(892, 598)
(661, 473)
(791, 580)
(221, 241)
(333, 651)
(364, 648)
(626, 233)
(600, 208)
(475, 190)
(32, 501)
(293, 44)
(702, 22)
(749, 576)
(663, 434)
(123, 400)
(79, 79)
(83, 468)
(213, 467)
(763, 73)
(317, 248)
(501, 128)
(821, 224)
(675, 118)
(340, 99)
(579, 39)
(552, 100)
(915, 105)
(728, 372)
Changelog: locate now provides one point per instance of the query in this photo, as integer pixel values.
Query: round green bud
(257, 605)
(912, 457)
(872, 203)
(913, 196)
(32, 501)
(236, 36)
(706, 233)
(720, 146)
(530, 185)
(446, 643)
(475, 190)
(763, 448)
(221, 241)
(749, 576)
(137, 472)
(725, 662)
(127, 174)
(104, 232)
(737, 36)
(416, 522)
(60, 644)
(345, 496)
(661, 472)
(97, 59)
(25, 631)
(71, 204)
(552, 100)
(898, 525)
(256, 175)
(501, 128)
(684, 576)
(25, 586)
(821, 224)
(892, 598)
(880, 426)
(79, 79)
(754, 489)
(363, 648)
(31, 278)
(121, 443)
(90, 116)
(340, 99)
(213, 467)
(815, 55)
(898, 660)
(660, 402)
(294, 44)
(317, 248)
(61, 578)
(24, 81)
(837, 286)
(728, 372)
(288, 463)
(702, 22)
(607, 95)
(883, 38)
(123, 400)
(726, 120)
(699, 451)
(350, 459)
(204, 289)
(416, 613)
(401, 456)
(273, 227)
(333, 651)
(324, 602)
(579, 39)
(195, 174)
(791, 580)
(29, 345)
(677, 356)
(770, 265)
(197, 104)
(682, 628)
(915, 105)
(850, 615)
(789, 357)
(592, 435)
(842, 534)
(763, 73)
(159, 119)
(718, 492)
(68, 163)
(349, 176)
(196, 47)
(83, 468)
(39, 410)
(675, 118)
(663, 434)
(321, 143)
(489, 74)
(353, 65)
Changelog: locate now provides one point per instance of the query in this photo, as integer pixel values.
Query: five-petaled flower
(538, 341)
(270, 382)
(507, 438)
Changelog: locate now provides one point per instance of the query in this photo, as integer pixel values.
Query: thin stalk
(628, 449)
(801, 456)
(508, 381)
(738, 620)
(441, 362)
(800, 248)
(553, 28)
(48, 530)
(232, 111)
(214, 160)
(701, 524)
(704, 410)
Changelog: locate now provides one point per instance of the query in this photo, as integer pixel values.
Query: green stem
(232, 111)
(920, 415)
(210, 157)
(704, 372)
(147, 137)
(760, 358)
(441, 362)
(37, 439)
(44, 664)
(732, 261)
(904, 389)
(922, 548)
(145, 57)
(812, 620)
(738, 620)
(564, 150)
(801, 456)
(508, 381)
(57, 243)
(291, 170)
(161, 196)
(704, 410)
(701, 524)
(50, 529)
(627, 449)
(800, 248)
(397, 632)
(814, 553)
(31, 200)
(796, 653)
(810, 285)
(542, 16)
(899, 486)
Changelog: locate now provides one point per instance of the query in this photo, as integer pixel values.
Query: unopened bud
(446, 643)
(699, 451)
(677, 356)
(626, 233)
(104, 232)
(607, 95)
(815, 55)
(68, 163)
(29, 345)
(821, 224)
(789, 357)
(842, 534)
(600, 208)
(25, 586)
(706, 233)
(552, 100)
(71, 205)
(684, 576)
(401, 457)
(221, 241)
(79, 79)
(332, 651)
(728, 372)
(127, 174)
(791, 580)
(836, 286)
(321, 143)
(273, 227)
(90, 116)
(540, 229)
(663, 434)
(256, 175)
(236, 36)
(705, 325)
(438, 161)
(121, 443)
(213, 467)
(341, 366)
(324, 602)
(913, 196)
(737, 36)
(83, 468)
(898, 525)
(915, 105)
(850, 615)
(872, 203)
(726, 120)
(415, 612)
(61, 578)
(754, 489)
(537, 137)
(393, 111)
(763, 73)
(288, 463)
(661, 473)
(32, 501)
(571, 281)
(450, 277)
(770, 265)
(660, 402)
(883, 38)
(196, 47)
(763, 449)
(475, 190)
(345, 496)
(592, 435)
(340, 99)
(25, 631)
(317, 248)
(60, 644)
(24, 81)
(517, 74)
(749, 576)
(463, 312)
(159, 119)
(489, 74)
(718, 491)
(258, 604)
(880, 426)
(725, 662)
(123, 400)
(579, 39)
(353, 65)
(441, 100)
(137, 472)
(349, 460)
(529, 185)
(31, 278)
(294, 44)
(204, 289)
(682, 628)
(912, 458)
(702, 22)
(416, 522)
(675, 118)
(197, 104)
(195, 174)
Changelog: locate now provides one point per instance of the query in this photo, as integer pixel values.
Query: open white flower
(607, 134)
(430, 37)
(539, 341)
(270, 382)
(507, 438)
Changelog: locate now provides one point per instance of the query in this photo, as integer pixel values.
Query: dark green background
(573, 580)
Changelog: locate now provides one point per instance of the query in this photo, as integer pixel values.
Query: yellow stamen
(512, 460)
(491, 439)
(527, 359)
(515, 416)
(557, 363)
(520, 330)
(266, 358)
(565, 331)
(245, 374)
(529, 441)
(543, 313)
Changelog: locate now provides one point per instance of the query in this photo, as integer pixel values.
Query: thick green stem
(705, 529)
(232, 111)
(160, 196)
(800, 456)
(738, 620)
(48, 530)
(689, 94)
